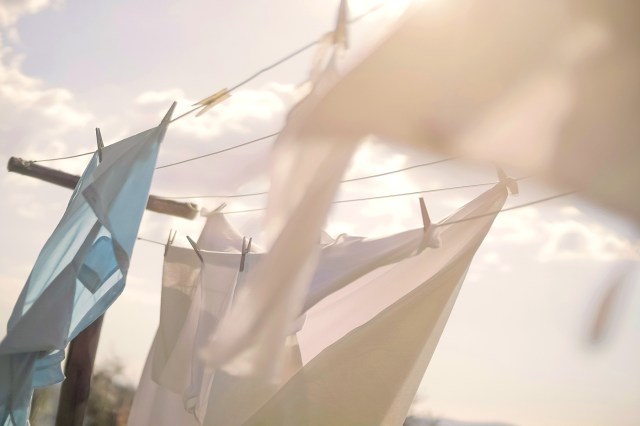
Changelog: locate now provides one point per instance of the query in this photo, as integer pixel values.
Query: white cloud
(244, 109)
(12, 10)
(35, 118)
(491, 258)
(519, 226)
(570, 211)
(568, 236)
(575, 240)
(154, 97)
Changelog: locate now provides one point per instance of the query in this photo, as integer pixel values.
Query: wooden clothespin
(172, 236)
(207, 213)
(429, 239)
(195, 248)
(246, 248)
(211, 101)
(100, 144)
(340, 35)
(426, 220)
(510, 183)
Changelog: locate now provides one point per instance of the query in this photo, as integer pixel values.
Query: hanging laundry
(432, 86)
(239, 389)
(275, 290)
(193, 293)
(548, 88)
(193, 302)
(80, 271)
(181, 392)
(367, 347)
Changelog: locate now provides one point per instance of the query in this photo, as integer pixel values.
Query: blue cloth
(80, 271)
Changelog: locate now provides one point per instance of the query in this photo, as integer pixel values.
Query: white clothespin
(429, 239)
(211, 101)
(100, 144)
(246, 248)
(195, 248)
(172, 236)
(510, 183)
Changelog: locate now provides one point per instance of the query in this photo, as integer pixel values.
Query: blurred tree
(110, 398)
(109, 401)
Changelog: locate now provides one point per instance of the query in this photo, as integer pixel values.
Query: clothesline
(387, 173)
(235, 87)
(399, 194)
(351, 200)
(219, 151)
(503, 210)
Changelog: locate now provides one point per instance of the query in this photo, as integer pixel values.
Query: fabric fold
(364, 361)
(351, 270)
(80, 271)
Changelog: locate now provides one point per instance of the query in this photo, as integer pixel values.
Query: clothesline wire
(380, 197)
(253, 194)
(503, 210)
(146, 240)
(219, 151)
(507, 209)
(235, 87)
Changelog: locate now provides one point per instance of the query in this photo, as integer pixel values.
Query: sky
(515, 348)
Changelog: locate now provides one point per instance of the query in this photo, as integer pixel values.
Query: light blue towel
(80, 271)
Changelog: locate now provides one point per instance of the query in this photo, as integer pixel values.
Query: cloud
(12, 10)
(519, 226)
(578, 240)
(240, 113)
(36, 118)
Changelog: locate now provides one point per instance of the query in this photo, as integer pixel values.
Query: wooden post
(67, 180)
(74, 393)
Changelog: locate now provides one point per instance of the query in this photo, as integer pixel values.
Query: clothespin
(207, 213)
(246, 248)
(172, 236)
(430, 239)
(510, 183)
(211, 101)
(100, 144)
(195, 248)
(340, 35)
(426, 220)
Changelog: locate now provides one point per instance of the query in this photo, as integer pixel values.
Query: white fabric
(254, 335)
(172, 367)
(367, 347)
(189, 315)
(497, 80)
(543, 86)
(230, 397)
